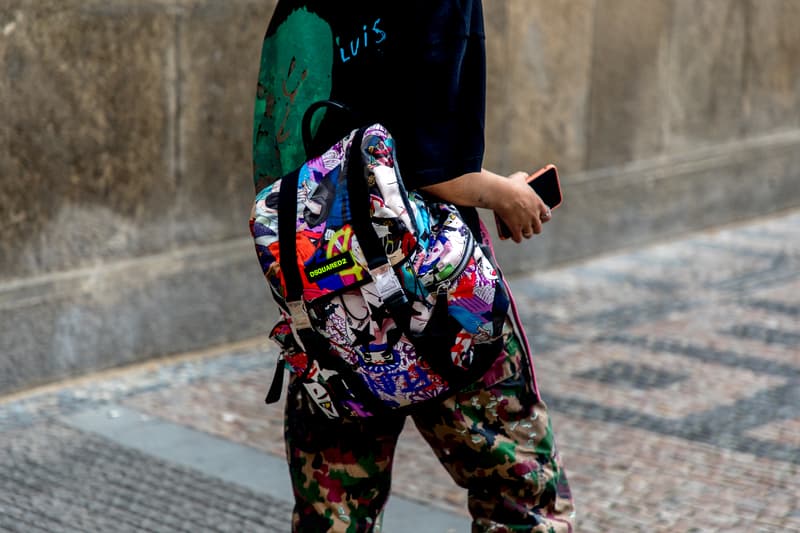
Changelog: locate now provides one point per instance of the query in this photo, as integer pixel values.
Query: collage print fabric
(434, 255)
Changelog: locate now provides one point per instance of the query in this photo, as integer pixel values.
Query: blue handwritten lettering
(361, 42)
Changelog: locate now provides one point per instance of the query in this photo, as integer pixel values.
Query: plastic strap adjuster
(299, 315)
(386, 282)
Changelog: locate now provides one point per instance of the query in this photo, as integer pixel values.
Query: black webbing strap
(359, 206)
(374, 252)
(359, 200)
(275, 389)
(313, 343)
(287, 236)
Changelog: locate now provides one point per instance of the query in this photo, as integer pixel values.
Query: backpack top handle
(308, 116)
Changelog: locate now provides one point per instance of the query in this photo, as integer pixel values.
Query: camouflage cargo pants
(495, 439)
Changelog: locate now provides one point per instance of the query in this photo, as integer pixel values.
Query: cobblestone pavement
(672, 372)
(53, 478)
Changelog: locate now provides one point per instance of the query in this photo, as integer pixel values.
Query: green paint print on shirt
(296, 65)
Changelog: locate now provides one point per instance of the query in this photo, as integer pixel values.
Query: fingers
(536, 224)
(535, 228)
(528, 214)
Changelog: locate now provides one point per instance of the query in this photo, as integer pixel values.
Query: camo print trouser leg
(496, 441)
(340, 470)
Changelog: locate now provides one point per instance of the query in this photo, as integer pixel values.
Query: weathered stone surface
(706, 73)
(544, 66)
(619, 207)
(128, 129)
(772, 67)
(629, 77)
(84, 152)
(125, 153)
(65, 325)
(498, 114)
(219, 51)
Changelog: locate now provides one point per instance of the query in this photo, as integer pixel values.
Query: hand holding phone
(545, 183)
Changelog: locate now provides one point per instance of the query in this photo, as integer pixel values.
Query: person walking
(417, 67)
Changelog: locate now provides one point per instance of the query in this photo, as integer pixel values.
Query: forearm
(477, 189)
(509, 197)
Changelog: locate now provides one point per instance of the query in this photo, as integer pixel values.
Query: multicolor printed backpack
(387, 298)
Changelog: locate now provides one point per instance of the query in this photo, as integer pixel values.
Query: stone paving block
(692, 387)
(703, 260)
(210, 406)
(783, 431)
(71, 481)
(728, 328)
(581, 291)
(46, 403)
(658, 475)
(242, 417)
(778, 301)
(668, 417)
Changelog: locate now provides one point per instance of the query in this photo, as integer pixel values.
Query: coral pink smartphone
(545, 183)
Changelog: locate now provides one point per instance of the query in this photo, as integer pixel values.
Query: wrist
(498, 192)
(480, 189)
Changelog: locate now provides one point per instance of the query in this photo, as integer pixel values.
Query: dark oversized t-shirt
(416, 66)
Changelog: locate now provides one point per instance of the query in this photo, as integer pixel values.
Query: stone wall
(125, 165)
(665, 119)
